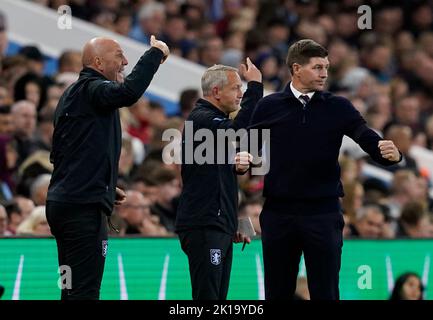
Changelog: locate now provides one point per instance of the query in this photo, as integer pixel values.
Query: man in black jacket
(207, 213)
(85, 154)
(302, 189)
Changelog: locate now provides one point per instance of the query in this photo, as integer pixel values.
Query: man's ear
(296, 67)
(98, 63)
(216, 92)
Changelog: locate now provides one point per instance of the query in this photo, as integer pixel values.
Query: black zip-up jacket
(210, 191)
(304, 147)
(87, 133)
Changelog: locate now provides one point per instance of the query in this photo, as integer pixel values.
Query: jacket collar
(206, 104)
(89, 72)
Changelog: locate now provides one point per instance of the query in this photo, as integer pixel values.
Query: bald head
(105, 56)
(97, 47)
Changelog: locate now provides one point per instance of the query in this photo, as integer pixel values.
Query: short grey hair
(215, 76)
(18, 106)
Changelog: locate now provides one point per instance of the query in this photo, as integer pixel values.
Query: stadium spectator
(26, 205)
(175, 35)
(407, 113)
(30, 87)
(375, 191)
(35, 59)
(187, 100)
(24, 122)
(402, 135)
(210, 51)
(44, 130)
(123, 22)
(70, 61)
(137, 218)
(14, 217)
(35, 224)
(414, 221)
(408, 286)
(151, 20)
(167, 197)
(406, 186)
(143, 181)
(378, 61)
(369, 222)
(36, 164)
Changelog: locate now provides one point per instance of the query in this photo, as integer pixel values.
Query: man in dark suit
(302, 213)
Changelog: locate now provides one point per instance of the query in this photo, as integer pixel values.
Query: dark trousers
(285, 237)
(209, 254)
(81, 235)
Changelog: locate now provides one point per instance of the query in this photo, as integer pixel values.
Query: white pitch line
(389, 275)
(163, 285)
(425, 272)
(16, 293)
(123, 289)
(260, 282)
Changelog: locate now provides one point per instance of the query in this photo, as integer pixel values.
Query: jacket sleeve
(257, 117)
(356, 128)
(250, 98)
(110, 94)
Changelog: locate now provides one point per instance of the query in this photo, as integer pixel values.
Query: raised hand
(250, 72)
(160, 45)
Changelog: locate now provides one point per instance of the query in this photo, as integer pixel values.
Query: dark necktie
(305, 98)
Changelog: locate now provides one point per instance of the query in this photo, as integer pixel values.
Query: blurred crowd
(387, 73)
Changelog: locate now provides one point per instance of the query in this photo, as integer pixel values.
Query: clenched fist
(388, 150)
(243, 160)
